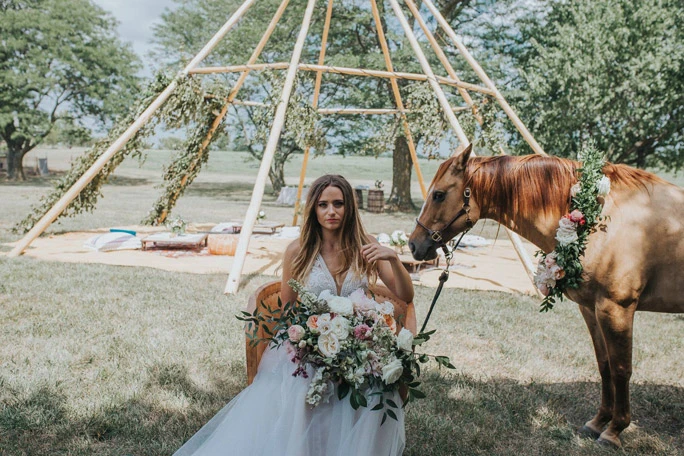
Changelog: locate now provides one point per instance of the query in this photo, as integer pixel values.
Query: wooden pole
(397, 97)
(317, 91)
(446, 107)
(347, 71)
(269, 151)
(224, 110)
(347, 111)
(483, 76)
(90, 174)
(443, 58)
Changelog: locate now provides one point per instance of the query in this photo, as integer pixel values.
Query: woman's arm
(287, 294)
(393, 274)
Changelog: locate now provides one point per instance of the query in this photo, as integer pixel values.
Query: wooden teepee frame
(292, 67)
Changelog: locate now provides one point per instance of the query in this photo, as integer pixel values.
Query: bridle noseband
(436, 235)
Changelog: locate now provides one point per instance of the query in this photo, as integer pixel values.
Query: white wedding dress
(271, 417)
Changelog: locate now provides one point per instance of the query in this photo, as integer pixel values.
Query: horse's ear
(462, 159)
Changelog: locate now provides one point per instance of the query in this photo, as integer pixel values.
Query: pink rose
(550, 259)
(362, 332)
(577, 216)
(557, 272)
(295, 333)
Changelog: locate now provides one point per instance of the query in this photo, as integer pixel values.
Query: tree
(59, 59)
(610, 70)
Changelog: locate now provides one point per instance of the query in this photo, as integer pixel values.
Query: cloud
(136, 19)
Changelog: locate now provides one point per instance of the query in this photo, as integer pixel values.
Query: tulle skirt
(271, 417)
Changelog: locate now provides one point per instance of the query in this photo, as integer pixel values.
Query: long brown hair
(353, 234)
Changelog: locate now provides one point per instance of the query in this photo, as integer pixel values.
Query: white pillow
(113, 241)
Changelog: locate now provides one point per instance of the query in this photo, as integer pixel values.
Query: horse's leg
(616, 322)
(594, 427)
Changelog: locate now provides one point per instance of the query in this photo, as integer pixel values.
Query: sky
(136, 18)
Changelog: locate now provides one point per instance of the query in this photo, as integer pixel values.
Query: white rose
(405, 340)
(329, 345)
(392, 372)
(324, 323)
(340, 327)
(567, 231)
(383, 238)
(565, 237)
(386, 308)
(341, 305)
(575, 189)
(603, 186)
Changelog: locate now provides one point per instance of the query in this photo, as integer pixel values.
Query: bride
(270, 417)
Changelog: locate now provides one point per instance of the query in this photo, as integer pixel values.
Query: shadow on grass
(461, 416)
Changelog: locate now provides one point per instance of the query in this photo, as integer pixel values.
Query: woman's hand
(374, 252)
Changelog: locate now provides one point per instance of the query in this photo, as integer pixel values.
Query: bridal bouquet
(351, 342)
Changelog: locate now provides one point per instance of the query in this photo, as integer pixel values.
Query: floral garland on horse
(562, 269)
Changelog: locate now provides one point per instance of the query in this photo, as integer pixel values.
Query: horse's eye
(438, 196)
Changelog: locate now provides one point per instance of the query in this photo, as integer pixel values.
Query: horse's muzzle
(423, 250)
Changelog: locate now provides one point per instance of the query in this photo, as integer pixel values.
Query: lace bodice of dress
(321, 279)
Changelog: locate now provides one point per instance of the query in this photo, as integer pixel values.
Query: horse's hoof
(609, 443)
(588, 433)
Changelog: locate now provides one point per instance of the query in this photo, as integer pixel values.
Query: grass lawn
(104, 360)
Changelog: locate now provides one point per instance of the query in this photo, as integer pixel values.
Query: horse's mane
(533, 183)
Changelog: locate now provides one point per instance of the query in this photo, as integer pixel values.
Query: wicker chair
(404, 314)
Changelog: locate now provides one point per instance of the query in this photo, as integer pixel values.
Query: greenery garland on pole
(562, 268)
(87, 199)
(187, 163)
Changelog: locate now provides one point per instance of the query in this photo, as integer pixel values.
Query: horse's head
(448, 209)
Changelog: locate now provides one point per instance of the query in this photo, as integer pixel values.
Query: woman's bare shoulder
(292, 249)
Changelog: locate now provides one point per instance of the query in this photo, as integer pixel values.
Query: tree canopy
(59, 59)
(609, 70)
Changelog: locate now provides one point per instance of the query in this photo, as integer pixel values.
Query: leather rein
(438, 238)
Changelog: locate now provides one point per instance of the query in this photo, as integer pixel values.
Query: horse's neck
(537, 221)
(538, 228)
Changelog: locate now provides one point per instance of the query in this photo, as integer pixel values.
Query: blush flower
(295, 333)
(312, 322)
(362, 332)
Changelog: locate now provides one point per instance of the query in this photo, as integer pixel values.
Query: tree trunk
(277, 172)
(400, 196)
(15, 163)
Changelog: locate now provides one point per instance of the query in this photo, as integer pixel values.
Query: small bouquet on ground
(177, 225)
(348, 342)
(261, 216)
(398, 239)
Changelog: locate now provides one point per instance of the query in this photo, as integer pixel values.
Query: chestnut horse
(633, 261)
